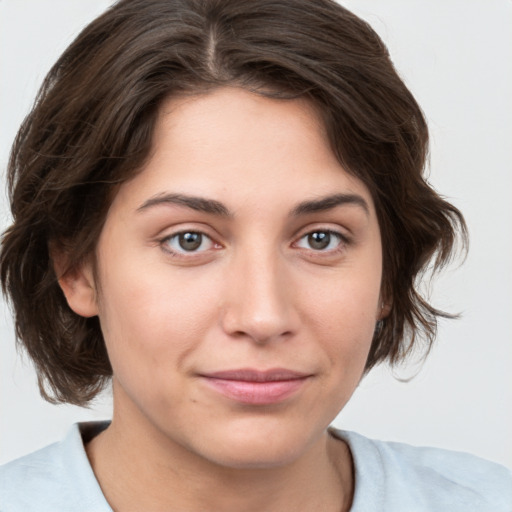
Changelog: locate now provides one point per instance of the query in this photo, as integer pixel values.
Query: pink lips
(256, 387)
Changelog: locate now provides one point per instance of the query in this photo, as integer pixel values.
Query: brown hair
(91, 128)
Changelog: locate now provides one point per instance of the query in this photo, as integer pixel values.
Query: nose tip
(259, 305)
(258, 328)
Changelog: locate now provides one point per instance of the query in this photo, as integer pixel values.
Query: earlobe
(384, 309)
(78, 286)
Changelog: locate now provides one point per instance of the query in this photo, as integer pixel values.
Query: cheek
(343, 315)
(153, 316)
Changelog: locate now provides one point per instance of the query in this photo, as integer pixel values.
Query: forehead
(243, 148)
(226, 109)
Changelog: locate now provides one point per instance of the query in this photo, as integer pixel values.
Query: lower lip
(256, 393)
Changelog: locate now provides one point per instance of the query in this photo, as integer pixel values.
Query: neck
(139, 468)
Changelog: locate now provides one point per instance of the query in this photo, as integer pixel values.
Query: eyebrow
(330, 202)
(199, 204)
(214, 207)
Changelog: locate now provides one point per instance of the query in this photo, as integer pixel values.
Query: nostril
(260, 330)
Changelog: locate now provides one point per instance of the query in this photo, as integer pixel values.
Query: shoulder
(404, 476)
(55, 478)
(34, 478)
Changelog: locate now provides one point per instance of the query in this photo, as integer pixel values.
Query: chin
(258, 444)
(262, 455)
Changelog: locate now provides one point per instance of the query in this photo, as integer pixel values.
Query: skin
(255, 294)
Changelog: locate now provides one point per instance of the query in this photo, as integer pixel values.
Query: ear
(77, 284)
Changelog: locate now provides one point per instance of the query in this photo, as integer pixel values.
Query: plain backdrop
(456, 58)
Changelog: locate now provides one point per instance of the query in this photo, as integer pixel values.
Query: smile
(256, 387)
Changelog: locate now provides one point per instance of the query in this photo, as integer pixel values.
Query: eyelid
(343, 233)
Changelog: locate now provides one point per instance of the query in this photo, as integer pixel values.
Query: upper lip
(252, 375)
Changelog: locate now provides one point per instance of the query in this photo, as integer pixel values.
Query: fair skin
(242, 252)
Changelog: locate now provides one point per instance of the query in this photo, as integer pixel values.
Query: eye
(188, 241)
(320, 241)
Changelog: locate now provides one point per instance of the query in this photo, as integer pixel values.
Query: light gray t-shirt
(389, 477)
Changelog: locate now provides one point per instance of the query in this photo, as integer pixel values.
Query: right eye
(188, 242)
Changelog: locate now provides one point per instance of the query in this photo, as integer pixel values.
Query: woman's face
(238, 281)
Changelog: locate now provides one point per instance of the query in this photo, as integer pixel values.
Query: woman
(219, 205)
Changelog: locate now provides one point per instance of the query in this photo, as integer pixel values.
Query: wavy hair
(91, 128)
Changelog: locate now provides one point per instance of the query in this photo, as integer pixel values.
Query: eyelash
(343, 241)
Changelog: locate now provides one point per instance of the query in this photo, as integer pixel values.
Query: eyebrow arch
(199, 204)
(330, 202)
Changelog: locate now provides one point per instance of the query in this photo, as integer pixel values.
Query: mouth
(256, 387)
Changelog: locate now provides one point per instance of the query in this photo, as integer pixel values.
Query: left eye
(189, 241)
(320, 241)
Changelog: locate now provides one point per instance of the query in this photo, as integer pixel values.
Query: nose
(259, 301)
